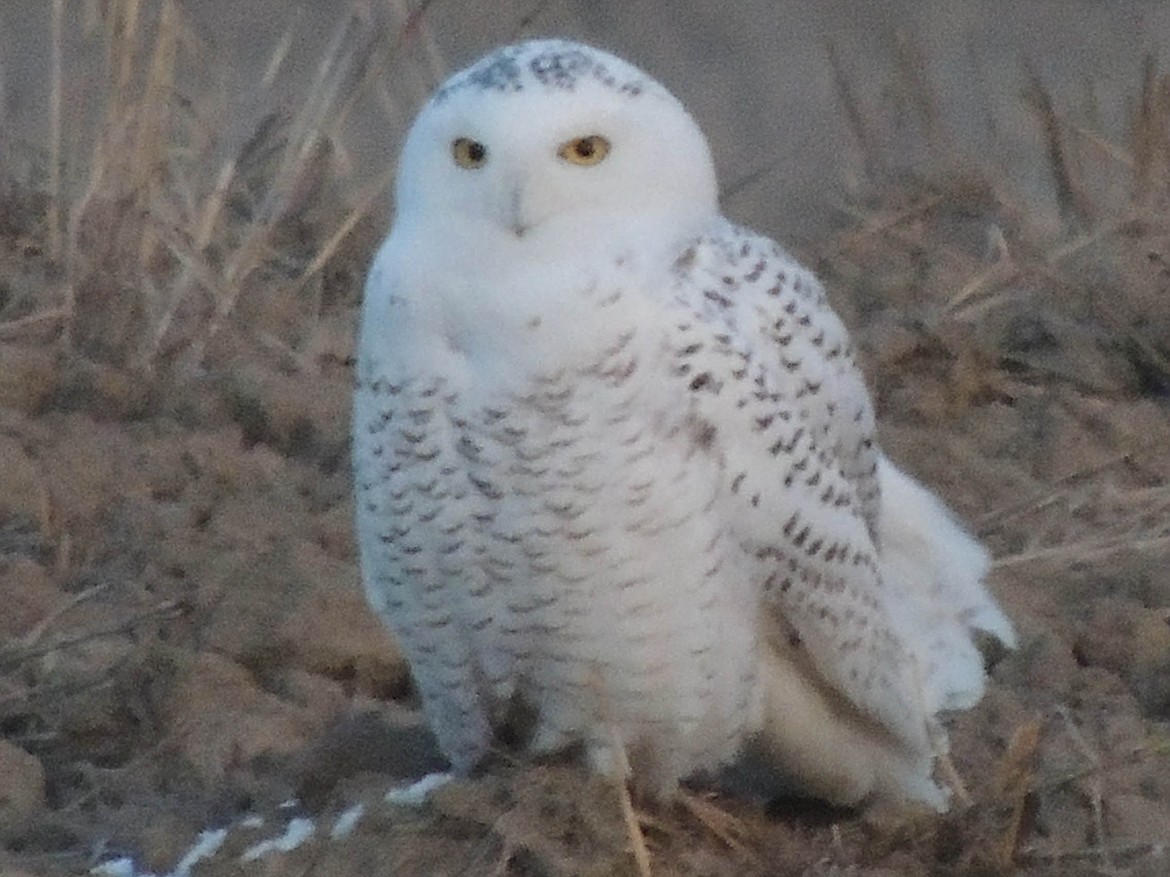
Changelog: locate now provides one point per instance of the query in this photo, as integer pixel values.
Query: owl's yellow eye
(469, 153)
(584, 151)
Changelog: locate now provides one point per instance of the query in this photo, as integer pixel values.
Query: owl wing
(770, 367)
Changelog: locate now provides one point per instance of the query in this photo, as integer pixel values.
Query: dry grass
(1027, 305)
(1035, 348)
(1020, 359)
(173, 217)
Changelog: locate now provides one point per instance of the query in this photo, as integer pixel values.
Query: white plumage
(615, 461)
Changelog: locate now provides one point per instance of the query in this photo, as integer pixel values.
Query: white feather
(614, 460)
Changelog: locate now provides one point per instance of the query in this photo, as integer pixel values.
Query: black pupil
(476, 151)
(584, 148)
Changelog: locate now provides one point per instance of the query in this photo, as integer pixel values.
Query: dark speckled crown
(549, 64)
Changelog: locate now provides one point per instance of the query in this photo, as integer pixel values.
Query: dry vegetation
(184, 640)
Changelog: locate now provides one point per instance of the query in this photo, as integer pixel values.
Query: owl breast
(561, 547)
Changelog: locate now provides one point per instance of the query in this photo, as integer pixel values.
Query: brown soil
(184, 641)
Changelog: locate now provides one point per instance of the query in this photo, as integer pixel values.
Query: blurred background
(764, 79)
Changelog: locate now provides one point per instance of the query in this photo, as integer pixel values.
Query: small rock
(302, 419)
(1132, 641)
(28, 377)
(22, 787)
(24, 494)
(333, 631)
(365, 743)
(1137, 819)
(221, 719)
(29, 596)
(107, 392)
(335, 531)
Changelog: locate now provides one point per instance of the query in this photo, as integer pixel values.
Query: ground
(185, 644)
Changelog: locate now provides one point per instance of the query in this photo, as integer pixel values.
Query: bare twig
(1070, 194)
(1084, 552)
(1051, 496)
(1096, 793)
(33, 636)
(55, 100)
(20, 325)
(376, 192)
(14, 657)
(854, 118)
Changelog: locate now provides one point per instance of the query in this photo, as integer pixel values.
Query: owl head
(554, 134)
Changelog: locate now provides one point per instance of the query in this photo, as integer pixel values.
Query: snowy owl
(615, 463)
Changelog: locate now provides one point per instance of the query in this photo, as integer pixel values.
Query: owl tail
(933, 571)
(814, 742)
